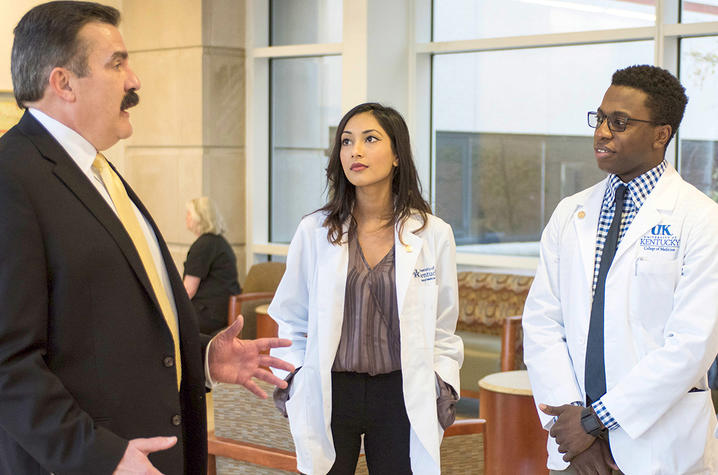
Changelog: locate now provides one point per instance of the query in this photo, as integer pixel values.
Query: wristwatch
(592, 424)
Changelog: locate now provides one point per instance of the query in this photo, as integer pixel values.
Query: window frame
(415, 97)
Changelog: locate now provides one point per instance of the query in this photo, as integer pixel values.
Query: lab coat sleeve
(290, 306)
(448, 347)
(690, 335)
(546, 353)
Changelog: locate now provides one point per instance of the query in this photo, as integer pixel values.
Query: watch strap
(591, 423)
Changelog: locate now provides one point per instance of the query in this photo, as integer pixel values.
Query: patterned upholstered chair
(259, 286)
(250, 436)
(485, 302)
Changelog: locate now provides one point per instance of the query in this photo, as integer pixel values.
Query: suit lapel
(67, 171)
(178, 290)
(187, 326)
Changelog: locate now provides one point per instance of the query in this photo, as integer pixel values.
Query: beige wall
(188, 136)
(10, 13)
(189, 127)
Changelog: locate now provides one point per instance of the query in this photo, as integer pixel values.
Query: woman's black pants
(373, 406)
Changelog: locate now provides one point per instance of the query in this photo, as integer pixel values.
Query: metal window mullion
(683, 30)
(667, 53)
(297, 51)
(537, 41)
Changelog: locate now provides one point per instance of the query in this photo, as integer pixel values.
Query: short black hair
(46, 38)
(666, 96)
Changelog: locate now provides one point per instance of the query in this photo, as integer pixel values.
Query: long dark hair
(405, 186)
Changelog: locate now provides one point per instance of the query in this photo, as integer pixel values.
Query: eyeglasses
(616, 122)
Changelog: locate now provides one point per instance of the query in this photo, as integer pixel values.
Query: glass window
(701, 10)
(698, 132)
(511, 137)
(305, 22)
(484, 19)
(306, 108)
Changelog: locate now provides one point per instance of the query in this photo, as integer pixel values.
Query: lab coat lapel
(334, 261)
(663, 197)
(406, 249)
(585, 219)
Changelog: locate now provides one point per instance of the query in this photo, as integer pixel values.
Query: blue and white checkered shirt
(638, 190)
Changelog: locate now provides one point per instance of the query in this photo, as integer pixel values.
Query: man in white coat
(621, 323)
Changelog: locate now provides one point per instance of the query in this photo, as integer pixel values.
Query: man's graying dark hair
(46, 38)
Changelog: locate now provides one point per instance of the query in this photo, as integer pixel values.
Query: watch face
(590, 422)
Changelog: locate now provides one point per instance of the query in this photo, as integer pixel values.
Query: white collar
(77, 147)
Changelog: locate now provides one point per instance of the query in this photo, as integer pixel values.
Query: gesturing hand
(135, 461)
(567, 430)
(236, 361)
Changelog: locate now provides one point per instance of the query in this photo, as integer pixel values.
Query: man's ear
(662, 136)
(60, 85)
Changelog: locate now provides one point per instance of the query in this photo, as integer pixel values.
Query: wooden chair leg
(211, 465)
(512, 326)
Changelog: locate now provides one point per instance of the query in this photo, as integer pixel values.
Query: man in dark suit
(101, 362)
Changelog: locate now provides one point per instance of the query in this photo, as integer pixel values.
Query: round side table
(515, 441)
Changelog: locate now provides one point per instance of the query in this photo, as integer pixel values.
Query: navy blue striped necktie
(595, 375)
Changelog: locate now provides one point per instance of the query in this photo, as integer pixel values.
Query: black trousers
(373, 406)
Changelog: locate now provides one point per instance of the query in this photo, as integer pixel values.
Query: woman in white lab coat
(370, 302)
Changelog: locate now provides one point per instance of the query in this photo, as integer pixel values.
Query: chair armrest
(251, 453)
(466, 426)
(510, 332)
(236, 301)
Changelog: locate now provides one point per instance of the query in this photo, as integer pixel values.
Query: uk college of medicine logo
(660, 239)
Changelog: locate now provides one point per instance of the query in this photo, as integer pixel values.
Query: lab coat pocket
(689, 424)
(296, 410)
(651, 291)
(646, 266)
(295, 388)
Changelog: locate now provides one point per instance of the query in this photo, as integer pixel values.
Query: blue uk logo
(661, 230)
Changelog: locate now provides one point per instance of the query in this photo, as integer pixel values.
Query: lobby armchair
(258, 289)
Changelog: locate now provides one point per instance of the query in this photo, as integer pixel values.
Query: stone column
(188, 136)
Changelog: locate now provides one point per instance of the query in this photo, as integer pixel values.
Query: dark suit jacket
(85, 353)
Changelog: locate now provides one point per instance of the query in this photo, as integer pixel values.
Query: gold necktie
(127, 216)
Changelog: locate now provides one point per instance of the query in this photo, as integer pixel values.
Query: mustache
(131, 99)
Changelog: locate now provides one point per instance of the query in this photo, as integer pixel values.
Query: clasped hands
(231, 360)
(587, 454)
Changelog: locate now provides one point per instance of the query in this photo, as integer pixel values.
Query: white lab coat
(661, 321)
(309, 308)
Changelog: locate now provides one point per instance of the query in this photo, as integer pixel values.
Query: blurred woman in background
(210, 271)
